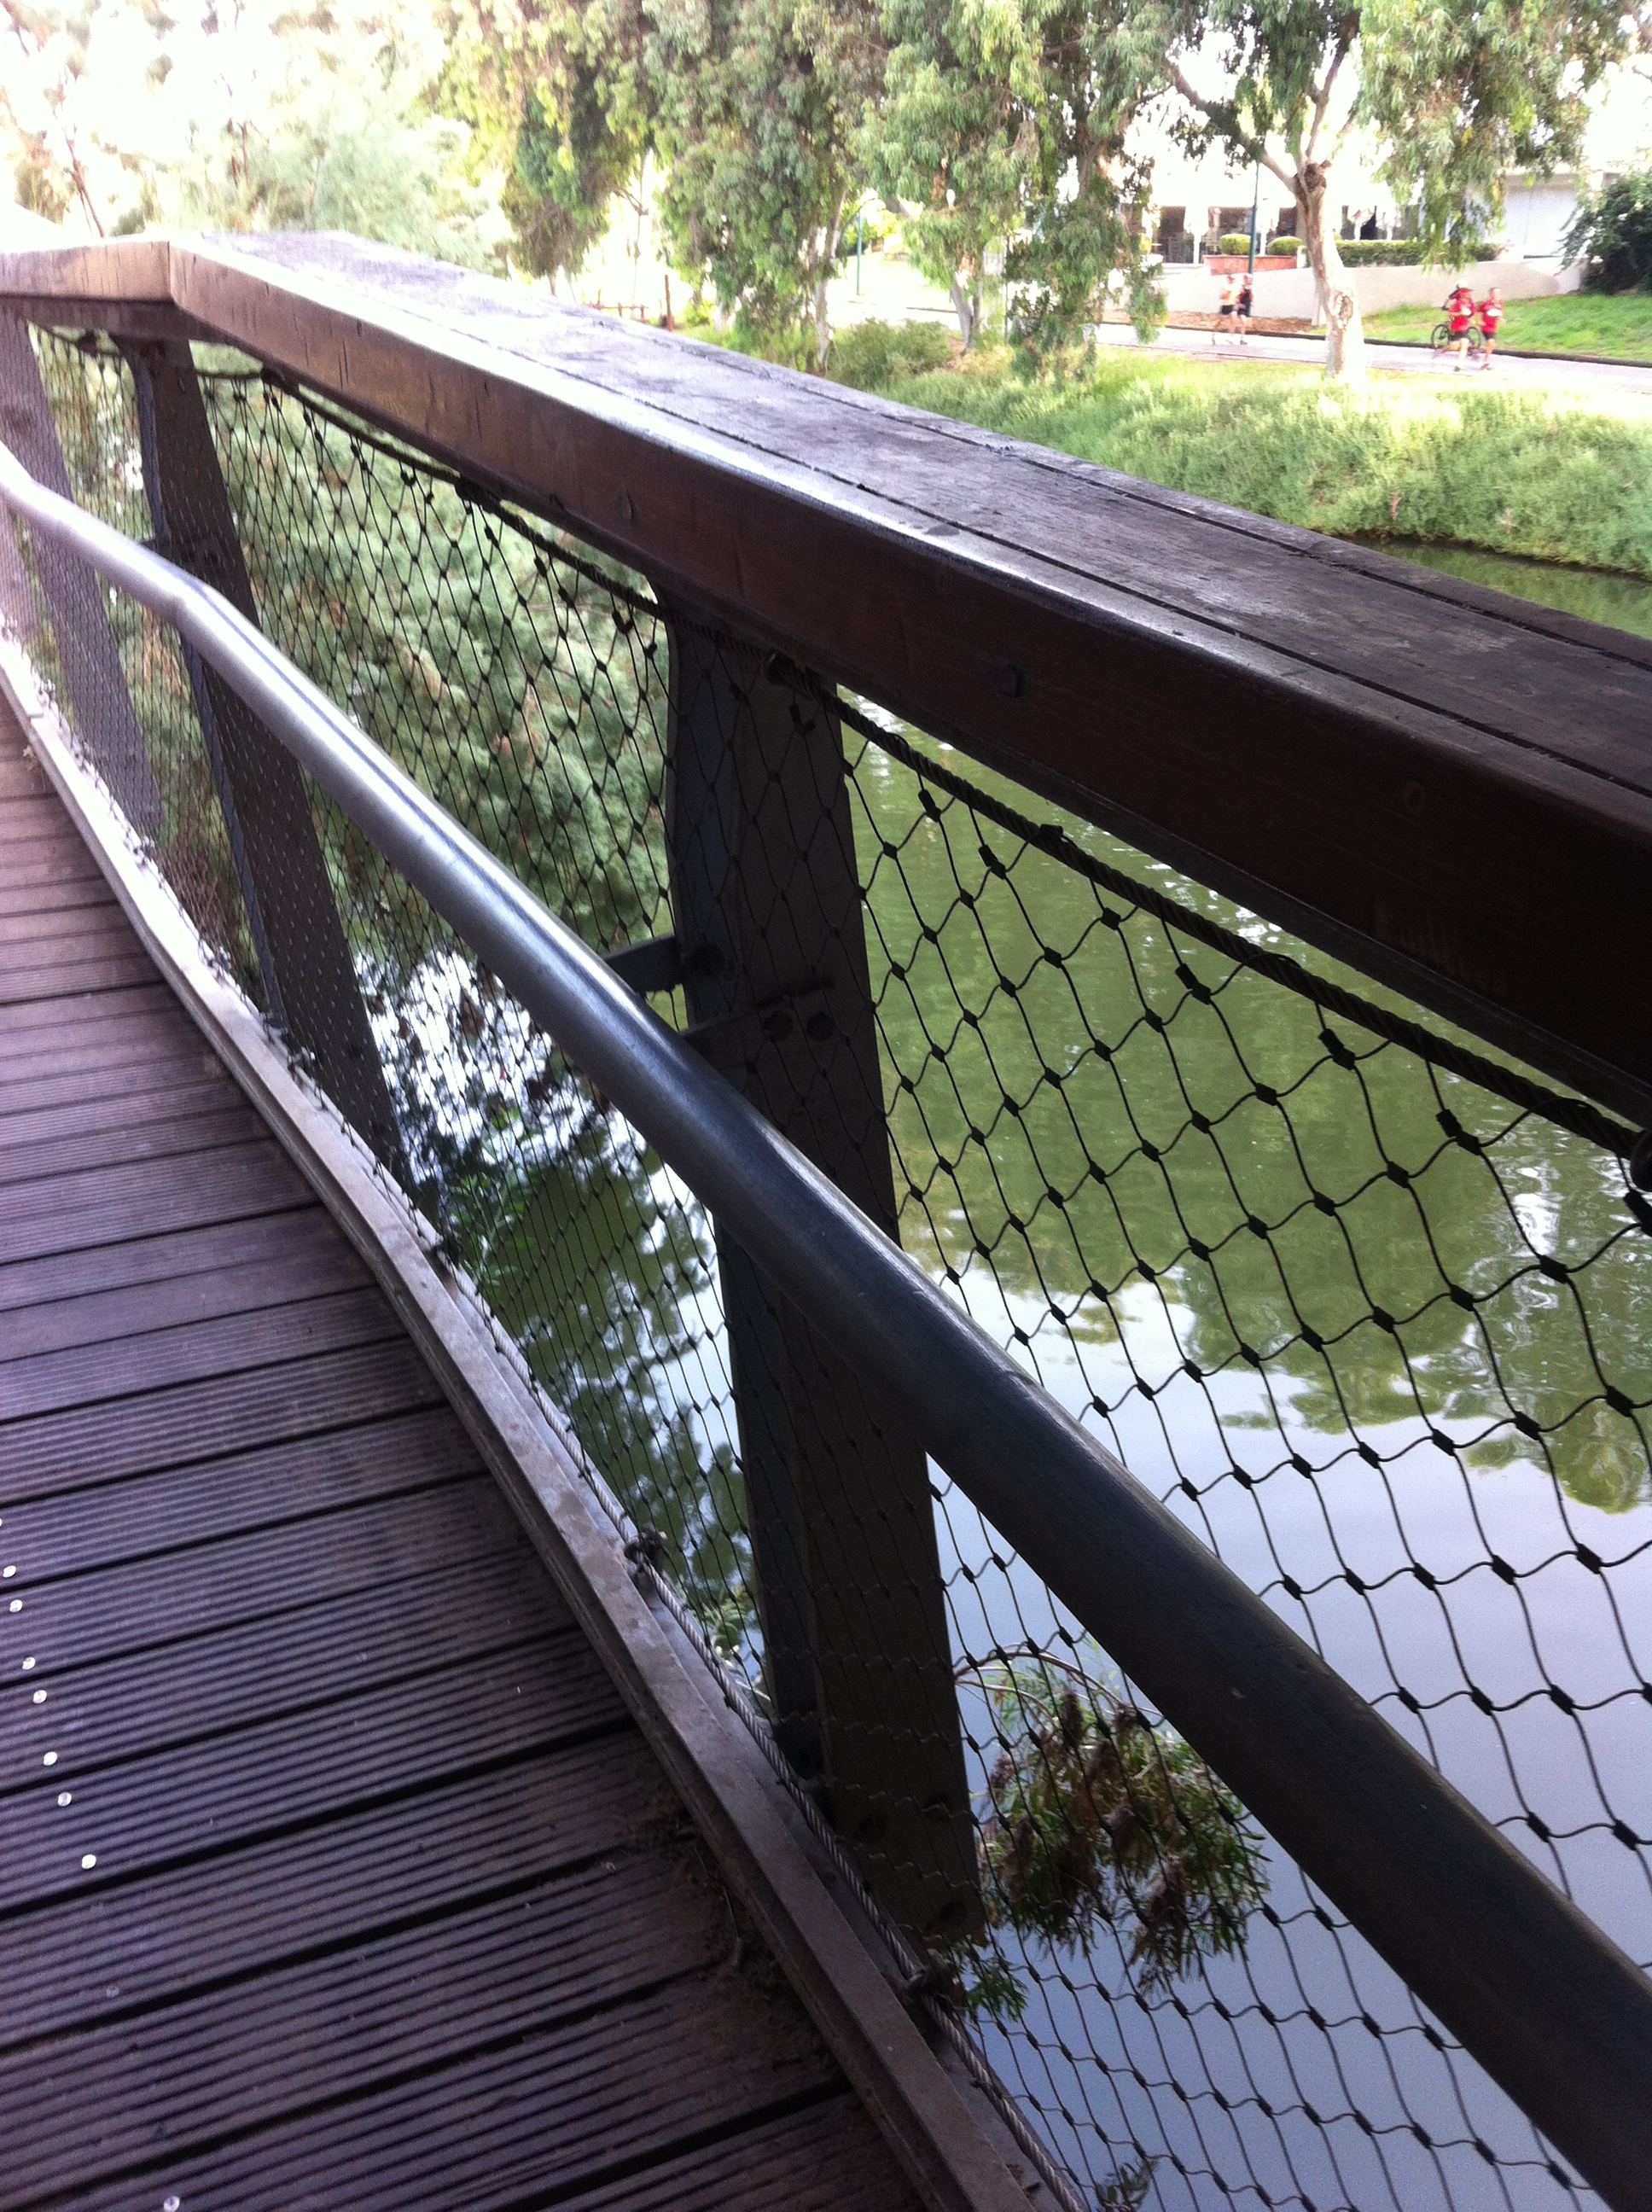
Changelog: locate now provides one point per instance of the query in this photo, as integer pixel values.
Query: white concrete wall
(1290, 292)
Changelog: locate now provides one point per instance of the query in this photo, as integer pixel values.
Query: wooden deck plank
(246, 1577)
(107, 1205)
(65, 977)
(76, 925)
(22, 1131)
(137, 1134)
(95, 1956)
(204, 1420)
(699, 2058)
(332, 1866)
(343, 2025)
(129, 1368)
(24, 1023)
(374, 1632)
(105, 1318)
(161, 1258)
(276, 1777)
(107, 1523)
(815, 2160)
(44, 891)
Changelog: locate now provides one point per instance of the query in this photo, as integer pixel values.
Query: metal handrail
(1558, 2016)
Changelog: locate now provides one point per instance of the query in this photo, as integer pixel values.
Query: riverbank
(1539, 474)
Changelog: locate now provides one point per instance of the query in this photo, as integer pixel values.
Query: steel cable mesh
(1376, 1330)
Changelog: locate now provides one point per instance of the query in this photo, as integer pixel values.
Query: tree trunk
(828, 263)
(966, 306)
(1333, 295)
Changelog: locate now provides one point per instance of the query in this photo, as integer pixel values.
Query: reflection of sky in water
(1263, 1461)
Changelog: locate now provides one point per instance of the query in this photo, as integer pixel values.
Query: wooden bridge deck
(332, 1871)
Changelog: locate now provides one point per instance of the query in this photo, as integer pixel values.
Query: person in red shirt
(1491, 317)
(1460, 313)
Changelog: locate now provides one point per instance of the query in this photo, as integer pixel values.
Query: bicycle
(1442, 339)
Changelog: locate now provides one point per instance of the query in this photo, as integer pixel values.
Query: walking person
(1226, 312)
(1491, 317)
(1243, 309)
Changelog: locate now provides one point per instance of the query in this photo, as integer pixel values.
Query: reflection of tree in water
(1087, 1109)
(565, 1221)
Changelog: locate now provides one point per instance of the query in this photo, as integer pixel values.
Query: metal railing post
(770, 929)
(88, 656)
(309, 978)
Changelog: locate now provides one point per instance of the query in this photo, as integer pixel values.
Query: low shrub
(1235, 241)
(1282, 245)
(872, 356)
(1405, 253)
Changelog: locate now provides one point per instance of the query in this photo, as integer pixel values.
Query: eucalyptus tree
(1009, 120)
(759, 105)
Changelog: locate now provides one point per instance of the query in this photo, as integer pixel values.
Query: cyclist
(1491, 317)
(1459, 313)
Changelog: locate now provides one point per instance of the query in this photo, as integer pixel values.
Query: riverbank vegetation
(1469, 464)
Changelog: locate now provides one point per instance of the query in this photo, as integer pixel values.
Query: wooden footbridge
(380, 1825)
(333, 1868)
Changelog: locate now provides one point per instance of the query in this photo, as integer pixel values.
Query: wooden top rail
(1448, 787)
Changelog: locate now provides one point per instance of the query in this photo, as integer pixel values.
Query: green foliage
(1235, 241)
(559, 95)
(1459, 96)
(1286, 243)
(948, 134)
(757, 105)
(1409, 253)
(1453, 97)
(1127, 2191)
(872, 356)
(1096, 1818)
(1011, 121)
(1612, 235)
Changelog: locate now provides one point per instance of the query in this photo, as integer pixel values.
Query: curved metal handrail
(1557, 2015)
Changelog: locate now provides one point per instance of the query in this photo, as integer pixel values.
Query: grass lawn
(1580, 322)
(1533, 473)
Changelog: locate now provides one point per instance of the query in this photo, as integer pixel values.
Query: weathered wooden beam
(309, 978)
(766, 899)
(1450, 788)
(87, 657)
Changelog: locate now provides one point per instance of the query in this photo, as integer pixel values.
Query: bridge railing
(1144, 1763)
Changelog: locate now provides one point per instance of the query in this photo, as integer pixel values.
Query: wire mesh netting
(1368, 1311)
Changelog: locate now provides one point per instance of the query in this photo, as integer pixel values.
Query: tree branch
(1254, 148)
(1322, 97)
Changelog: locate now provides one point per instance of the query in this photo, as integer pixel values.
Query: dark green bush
(1235, 241)
(1612, 235)
(1405, 253)
(872, 356)
(1284, 244)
